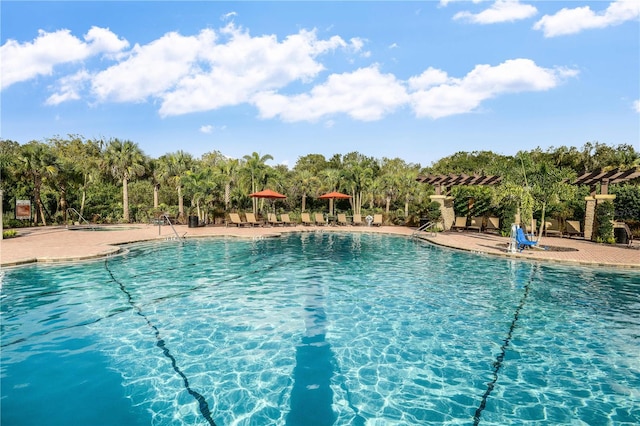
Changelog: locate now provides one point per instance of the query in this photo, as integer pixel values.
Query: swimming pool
(318, 329)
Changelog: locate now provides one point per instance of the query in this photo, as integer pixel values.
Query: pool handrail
(72, 210)
(166, 216)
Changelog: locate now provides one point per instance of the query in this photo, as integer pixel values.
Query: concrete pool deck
(59, 244)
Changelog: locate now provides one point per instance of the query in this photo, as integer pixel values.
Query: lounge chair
(286, 221)
(572, 227)
(493, 224)
(460, 223)
(320, 219)
(306, 219)
(475, 223)
(377, 220)
(272, 219)
(522, 240)
(234, 219)
(357, 219)
(624, 226)
(342, 219)
(251, 218)
(552, 227)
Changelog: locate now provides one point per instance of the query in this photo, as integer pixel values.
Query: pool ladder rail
(177, 237)
(80, 217)
(427, 227)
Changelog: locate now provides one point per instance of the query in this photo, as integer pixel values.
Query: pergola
(445, 182)
(606, 178)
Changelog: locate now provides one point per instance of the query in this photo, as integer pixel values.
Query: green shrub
(603, 230)
(10, 233)
(507, 217)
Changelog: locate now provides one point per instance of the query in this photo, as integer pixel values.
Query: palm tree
(174, 168)
(125, 160)
(38, 164)
(305, 183)
(256, 169)
(199, 184)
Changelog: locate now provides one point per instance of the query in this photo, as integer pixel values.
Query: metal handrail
(166, 216)
(425, 227)
(72, 210)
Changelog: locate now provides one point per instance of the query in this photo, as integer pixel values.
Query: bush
(507, 217)
(11, 233)
(603, 230)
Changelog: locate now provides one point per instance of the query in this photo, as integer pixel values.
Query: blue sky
(418, 80)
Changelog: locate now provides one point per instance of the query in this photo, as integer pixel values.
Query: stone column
(590, 212)
(446, 210)
(589, 216)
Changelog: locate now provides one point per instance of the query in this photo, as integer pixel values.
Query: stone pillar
(446, 210)
(589, 216)
(590, 212)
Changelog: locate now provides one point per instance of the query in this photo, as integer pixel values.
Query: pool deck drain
(58, 244)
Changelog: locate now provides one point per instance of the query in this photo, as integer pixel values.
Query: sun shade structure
(333, 196)
(606, 178)
(270, 195)
(445, 182)
(267, 193)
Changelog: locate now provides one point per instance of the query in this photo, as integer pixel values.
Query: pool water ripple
(320, 328)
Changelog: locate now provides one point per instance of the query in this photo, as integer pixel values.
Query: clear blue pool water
(318, 329)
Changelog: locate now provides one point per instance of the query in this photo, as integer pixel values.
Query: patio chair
(251, 219)
(460, 223)
(342, 219)
(377, 220)
(286, 221)
(552, 227)
(475, 223)
(572, 227)
(522, 240)
(272, 219)
(234, 219)
(306, 219)
(320, 219)
(493, 224)
(627, 231)
(357, 220)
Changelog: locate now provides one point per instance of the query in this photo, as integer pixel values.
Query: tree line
(114, 181)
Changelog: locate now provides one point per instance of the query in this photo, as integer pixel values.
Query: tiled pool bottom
(318, 329)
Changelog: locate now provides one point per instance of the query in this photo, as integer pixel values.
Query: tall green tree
(255, 168)
(125, 161)
(174, 168)
(305, 183)
(38, 163)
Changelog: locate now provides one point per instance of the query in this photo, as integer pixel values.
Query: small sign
(23, 209)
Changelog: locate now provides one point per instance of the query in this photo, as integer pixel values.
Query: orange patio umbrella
(269, 194)
(333, 196)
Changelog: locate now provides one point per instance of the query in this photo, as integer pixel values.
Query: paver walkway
(52, 244)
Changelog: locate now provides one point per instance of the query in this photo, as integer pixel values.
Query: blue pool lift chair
(522, 240)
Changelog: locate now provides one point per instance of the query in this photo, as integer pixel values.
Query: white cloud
(573, 21)
(459, 96)
(233, 72)
(500, 11)
(429, 78)
(152, 69)
(214, 69)
(228, 16)
(446, 2)
(208, 128)
(365, 94)
(636, 105)
(24, 61)
(69, 88)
